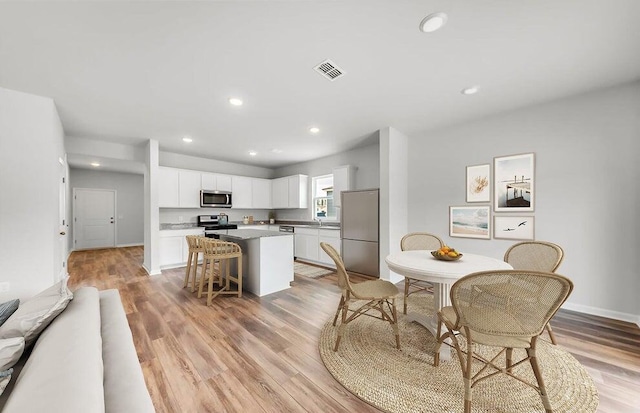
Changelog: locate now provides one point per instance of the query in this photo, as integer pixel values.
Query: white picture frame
(470, 221)
(516, 227)
(514, 183)
(478, 183)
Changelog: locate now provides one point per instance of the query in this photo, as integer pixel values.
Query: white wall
(112, 156)
(176, 160)
(393, 196)
(129, 200)
(31, 143)
(587, 180)
(365, 159)
(151, 262)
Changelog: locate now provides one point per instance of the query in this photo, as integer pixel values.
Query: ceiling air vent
(329, 70)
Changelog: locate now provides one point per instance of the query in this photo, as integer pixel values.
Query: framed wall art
(470, 221)
(514, 227)
(513, 183)
(478, 183)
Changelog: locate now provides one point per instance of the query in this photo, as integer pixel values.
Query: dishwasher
(291, 230)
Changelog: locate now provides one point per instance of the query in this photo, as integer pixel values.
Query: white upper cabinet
(168, 191)
(215, 182)
(189, 189)
(261, 193)
(178, 188)
(208, 182)
(241, 187)
(280, 193)
(298, 191)
(290, 192)
(343, 180)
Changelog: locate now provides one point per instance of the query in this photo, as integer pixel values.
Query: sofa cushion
(5, 377)
(122, 372)
(64, 372)
(10, 351)
(35, 314)
(8, 308)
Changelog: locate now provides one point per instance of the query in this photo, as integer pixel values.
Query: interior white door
(94, 218)
(62, 222)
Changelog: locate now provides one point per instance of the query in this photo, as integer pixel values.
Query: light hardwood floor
(255, 354)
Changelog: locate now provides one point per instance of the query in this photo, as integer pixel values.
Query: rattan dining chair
(536, 256)
(500, 319)
(418, 241)
(380, 295)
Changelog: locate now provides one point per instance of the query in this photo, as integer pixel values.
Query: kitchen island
(267, 258)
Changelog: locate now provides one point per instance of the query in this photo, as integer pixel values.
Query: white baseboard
(158, 272)
(617, 315)
(117, 246)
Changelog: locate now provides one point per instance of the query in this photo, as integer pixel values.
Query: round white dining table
(421, 265)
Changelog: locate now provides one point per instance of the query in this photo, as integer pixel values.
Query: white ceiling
(129, 71)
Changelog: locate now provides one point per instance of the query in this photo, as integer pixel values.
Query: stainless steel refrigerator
(359, 222)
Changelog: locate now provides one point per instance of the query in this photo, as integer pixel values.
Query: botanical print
(513, 182)
(513, 227)
(469, 222)
(478, 188)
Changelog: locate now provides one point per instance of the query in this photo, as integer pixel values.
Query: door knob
(63, 233)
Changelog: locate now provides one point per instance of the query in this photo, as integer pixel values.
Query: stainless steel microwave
(215, 199)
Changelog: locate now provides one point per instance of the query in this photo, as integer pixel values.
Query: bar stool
(195, 248)
(221, 253)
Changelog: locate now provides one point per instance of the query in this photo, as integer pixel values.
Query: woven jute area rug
(310, 271)
(368, 364)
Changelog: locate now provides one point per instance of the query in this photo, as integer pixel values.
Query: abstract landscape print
(470, 221)
(513, 187)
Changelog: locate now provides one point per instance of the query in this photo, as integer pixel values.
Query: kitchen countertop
(243, 234)
(240, 224)
(181, 225)
(317, 226)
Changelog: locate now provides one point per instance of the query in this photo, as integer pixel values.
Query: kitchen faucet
(319, 221)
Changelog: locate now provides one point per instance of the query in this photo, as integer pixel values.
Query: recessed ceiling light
(187, 139)
(470, 90)
(235, 101)
(314, 130)
(275, 150)
(433, 22)
(95, 164)
(253, 153)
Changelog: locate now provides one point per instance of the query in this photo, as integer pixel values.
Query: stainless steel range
(212, 223)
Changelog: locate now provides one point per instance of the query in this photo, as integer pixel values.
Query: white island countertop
(247, 233)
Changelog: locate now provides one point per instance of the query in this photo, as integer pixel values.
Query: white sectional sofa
(84, 361)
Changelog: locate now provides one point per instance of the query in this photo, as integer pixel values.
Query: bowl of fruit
(446, 254)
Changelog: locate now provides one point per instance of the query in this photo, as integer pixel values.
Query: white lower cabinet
(307, 244)
(331, 237)
(170, 251)
(173, 247)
